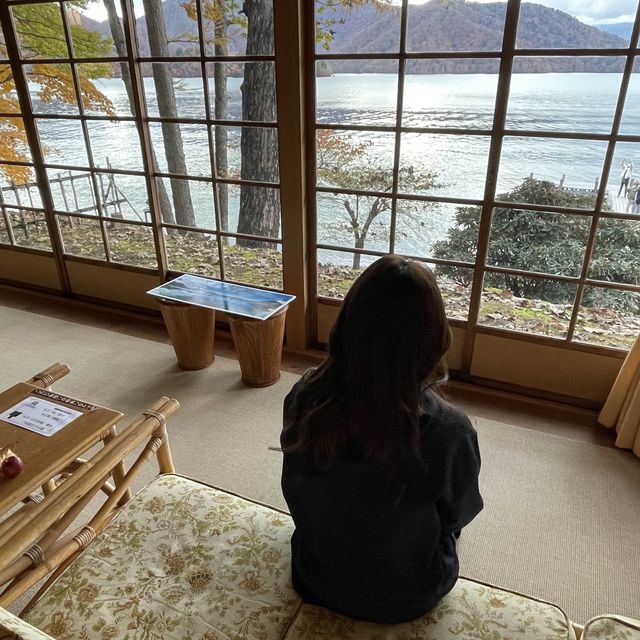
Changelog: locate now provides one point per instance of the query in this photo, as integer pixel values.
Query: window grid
(498, 133)
(141, 119)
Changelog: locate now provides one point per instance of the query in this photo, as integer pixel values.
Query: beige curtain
(622, 408)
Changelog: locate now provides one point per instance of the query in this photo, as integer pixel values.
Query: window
(502, 153)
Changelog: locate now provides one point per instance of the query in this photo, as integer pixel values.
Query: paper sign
(39, 416)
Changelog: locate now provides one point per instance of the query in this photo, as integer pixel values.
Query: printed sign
(39, 416)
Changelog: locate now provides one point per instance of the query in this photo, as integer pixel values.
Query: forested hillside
(434, 26)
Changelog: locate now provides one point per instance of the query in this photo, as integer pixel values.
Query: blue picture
(223, 296)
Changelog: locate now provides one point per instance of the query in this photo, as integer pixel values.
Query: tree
(343, 164)
(217, 17)
(171, 135)
(121, 49)
(39, 27)
(259, 212)
(545, 242)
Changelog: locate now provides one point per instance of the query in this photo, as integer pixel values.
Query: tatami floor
(531, 413)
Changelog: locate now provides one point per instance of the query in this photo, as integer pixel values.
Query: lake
(555, 102)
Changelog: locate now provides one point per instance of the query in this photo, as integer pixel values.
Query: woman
(380, 474)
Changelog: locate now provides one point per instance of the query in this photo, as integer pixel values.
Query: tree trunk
(259, 208)
(220, 113)
(172, 138)
(121, 49)
(359, 244)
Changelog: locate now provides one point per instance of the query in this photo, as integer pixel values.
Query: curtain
(622, 408)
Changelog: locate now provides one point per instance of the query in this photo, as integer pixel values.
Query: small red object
(11, 465)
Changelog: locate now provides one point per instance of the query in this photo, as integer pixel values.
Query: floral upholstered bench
(185, 560)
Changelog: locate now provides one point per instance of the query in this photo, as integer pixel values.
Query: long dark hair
(385, 348)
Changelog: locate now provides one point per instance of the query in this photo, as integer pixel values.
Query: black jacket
(373, 549)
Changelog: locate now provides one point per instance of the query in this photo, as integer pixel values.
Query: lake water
(555, 102)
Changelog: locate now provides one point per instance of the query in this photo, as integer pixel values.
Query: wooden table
(46, 457)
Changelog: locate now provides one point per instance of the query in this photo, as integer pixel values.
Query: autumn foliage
(41, 39)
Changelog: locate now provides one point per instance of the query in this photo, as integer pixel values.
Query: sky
(589, 11)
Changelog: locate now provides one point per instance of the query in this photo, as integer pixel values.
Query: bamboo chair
(32, 541)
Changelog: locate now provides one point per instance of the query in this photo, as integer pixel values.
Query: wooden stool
(192, 332)
(259, 347)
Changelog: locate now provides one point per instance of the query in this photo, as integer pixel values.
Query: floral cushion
(182, 560)
(611, 628)
(13, 628)
(471, 611)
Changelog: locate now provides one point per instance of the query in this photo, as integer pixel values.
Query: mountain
(620, 29)
(454, 25)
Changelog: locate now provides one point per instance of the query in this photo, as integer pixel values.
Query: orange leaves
(13, 147)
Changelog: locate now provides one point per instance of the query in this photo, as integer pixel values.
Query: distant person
(632, 193)
(627, 170)
(379, 472)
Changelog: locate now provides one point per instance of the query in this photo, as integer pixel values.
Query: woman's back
(379, 473)
(378, 549)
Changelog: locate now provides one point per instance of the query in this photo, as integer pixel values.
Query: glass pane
(124, 196)
(8, 97)
(261, 266)
(260, 145)
(445, 165)
(224, 27)
(360, 160)
(14, 145)
(623, 187)
(532, 305)
(259, 91)
(92, 35)
(131, 244)
(535, 241)
(18, 188)
(437, 230)
(72, 191)
(4, 232)
(446, 93)
(104, 94)
(115, 145)
(187, 100)
(40, 31)
(29, 228)
(347, 220)
(616, 254)
(608, 318)
(182, 149)
(338, 269)
(436, 26)
(357, 27)
(81, 237)
(63, 142)
(175, 36)
(561, 99)
(189, 202)
(254, 211)
(367, 96)
(455, 286)
(52, 89)
(630, 123)
(192, 252)
(580, 25)
(561, 172)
